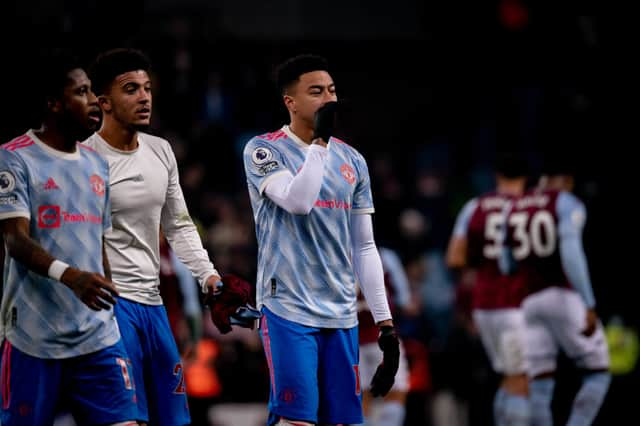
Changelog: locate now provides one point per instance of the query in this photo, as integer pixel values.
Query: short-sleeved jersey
(305, 273)
(65, 196)
(534, 232)
(481, 222)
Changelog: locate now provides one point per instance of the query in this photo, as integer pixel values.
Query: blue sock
(498, 407)
(516, 410)
(589, 399)
(391, 414)
(540, 394)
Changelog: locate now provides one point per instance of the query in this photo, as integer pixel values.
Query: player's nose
(92, 98)
(144, 96)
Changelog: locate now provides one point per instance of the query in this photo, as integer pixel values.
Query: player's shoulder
(490, 200)
(537, 198)
(342, 145)
(154, 141)
(570, 199)
(91, 152)
(18, 144)
(90, 148)
(160, 147)
(95, 144)
(269, 138)
(549, 194)
(260, 147)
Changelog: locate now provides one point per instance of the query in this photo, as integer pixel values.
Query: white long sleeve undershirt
(368, 266)
(298, 194)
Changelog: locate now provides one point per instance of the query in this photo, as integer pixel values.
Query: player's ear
(54, 105)
(289, 102)
(570, 183)
(105, 103)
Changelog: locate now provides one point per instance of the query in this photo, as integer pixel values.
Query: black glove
(386, 372)
(325, 121)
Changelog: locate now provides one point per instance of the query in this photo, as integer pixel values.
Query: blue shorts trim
(313, 372)
(96, 388)
(158, 371)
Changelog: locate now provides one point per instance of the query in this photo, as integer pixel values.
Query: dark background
(435, 88)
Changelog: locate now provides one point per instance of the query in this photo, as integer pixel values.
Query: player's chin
(141, 125)
(84, 133)
(93, 125)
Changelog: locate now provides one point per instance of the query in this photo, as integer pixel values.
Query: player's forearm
(574, 264)
(185, 241)
(368, 267)
(298, 194)
(23, 248)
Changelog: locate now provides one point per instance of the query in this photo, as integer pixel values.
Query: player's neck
(56, 139)
(119, 137)
(510, 188)
(303, 132)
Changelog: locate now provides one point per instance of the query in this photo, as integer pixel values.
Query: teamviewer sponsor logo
(49, 217)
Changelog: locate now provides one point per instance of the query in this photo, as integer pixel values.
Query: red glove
(225, 300)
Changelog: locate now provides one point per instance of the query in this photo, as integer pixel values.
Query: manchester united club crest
(97, 184)
(347, 173)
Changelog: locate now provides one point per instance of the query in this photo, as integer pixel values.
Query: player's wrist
(211, 282)
(70, 277)
(385, 323)
(57, 268)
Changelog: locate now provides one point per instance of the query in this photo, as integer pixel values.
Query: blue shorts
(313, 372)
(96, 388)
(157, 368)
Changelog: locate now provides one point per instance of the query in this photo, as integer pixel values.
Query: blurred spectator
(180, 293)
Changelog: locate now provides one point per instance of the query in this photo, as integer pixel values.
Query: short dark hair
(512, 164)
(55, 67)
(111, 63)
(51, 77)
(290, 70)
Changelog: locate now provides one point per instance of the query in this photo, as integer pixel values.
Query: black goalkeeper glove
(325, 121)
(386, 372)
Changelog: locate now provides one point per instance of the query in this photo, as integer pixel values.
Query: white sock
(540, 395)
(498, 406)
(589, 399)
(516, 410)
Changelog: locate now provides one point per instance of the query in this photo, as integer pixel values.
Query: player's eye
(130, 88)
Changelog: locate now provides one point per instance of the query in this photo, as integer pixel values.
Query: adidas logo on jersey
(51, 184)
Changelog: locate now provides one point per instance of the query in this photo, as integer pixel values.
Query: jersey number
(539, 237)
(356, 370)
(125, 373)
(177, 371)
